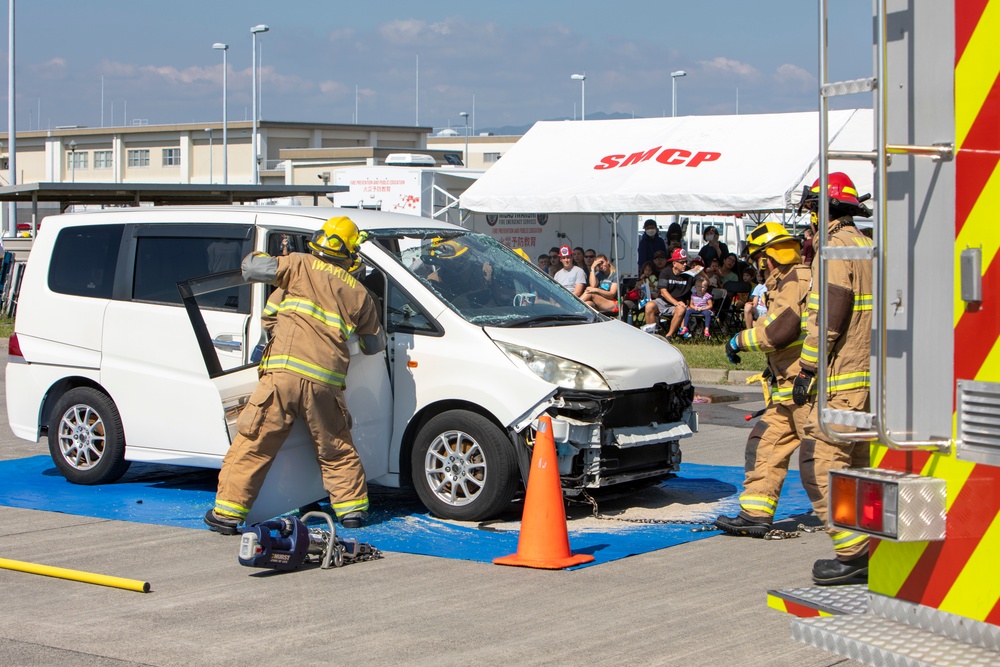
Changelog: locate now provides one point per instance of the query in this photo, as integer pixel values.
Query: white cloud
(794, 75)
(727, 66)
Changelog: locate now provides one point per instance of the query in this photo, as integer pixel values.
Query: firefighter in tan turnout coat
(302, 373)
(780, 334)
(848, 302)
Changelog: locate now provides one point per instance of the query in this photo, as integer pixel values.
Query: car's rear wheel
(86, 439)
(463, 466)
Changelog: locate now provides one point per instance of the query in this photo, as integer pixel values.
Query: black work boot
(354, 519)
(743, 526)
(227, 525)
(834, 572)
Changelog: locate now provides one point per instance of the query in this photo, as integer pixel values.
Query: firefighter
(780, 333)
(848, 304)
(302, 371)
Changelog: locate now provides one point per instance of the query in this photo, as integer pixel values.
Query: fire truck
(931, 500)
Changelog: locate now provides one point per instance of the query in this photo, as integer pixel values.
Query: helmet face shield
(338, 238)
(774, 241)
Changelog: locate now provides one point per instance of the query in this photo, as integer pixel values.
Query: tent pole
(614, 259)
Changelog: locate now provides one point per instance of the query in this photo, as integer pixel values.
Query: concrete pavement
(701, 603)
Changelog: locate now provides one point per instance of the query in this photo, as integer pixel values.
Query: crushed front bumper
(608, 438)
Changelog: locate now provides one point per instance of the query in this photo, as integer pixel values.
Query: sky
(505, 63)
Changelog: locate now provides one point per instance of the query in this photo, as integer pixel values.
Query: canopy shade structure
(692, 164)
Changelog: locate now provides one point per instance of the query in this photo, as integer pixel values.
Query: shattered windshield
(485, 282)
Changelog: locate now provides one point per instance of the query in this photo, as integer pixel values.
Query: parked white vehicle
(114, 365)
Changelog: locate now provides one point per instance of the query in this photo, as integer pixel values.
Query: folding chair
(720, 300)
(731, 318)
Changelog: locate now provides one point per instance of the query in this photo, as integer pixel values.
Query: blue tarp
(174, 496)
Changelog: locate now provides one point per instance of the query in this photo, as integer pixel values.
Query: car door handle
(227, 345)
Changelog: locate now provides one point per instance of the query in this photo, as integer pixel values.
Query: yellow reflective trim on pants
(813, 303)
(348, 506)
(759, 504)
(284, 362)
(846, 381)
(234, 510)
(846, 539)
(862, 302)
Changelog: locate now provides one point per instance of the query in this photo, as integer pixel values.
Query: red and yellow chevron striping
(958, 575)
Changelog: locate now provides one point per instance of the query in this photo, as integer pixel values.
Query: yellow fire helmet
(338, 238)
(441, 249)
(776, 242)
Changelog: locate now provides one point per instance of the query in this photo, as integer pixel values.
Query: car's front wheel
(463, 466)
(86, 439)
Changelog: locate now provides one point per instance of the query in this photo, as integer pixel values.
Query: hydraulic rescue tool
(287, 542)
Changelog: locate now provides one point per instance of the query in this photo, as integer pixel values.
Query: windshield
(485, 282)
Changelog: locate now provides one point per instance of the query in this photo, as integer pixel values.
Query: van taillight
(14, 348)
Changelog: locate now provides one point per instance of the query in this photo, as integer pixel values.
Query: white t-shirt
(570, 279)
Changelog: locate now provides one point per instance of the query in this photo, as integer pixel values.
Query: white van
(126, 349)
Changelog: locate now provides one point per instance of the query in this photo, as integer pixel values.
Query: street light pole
(582, 78)
(465, 158)
(72, 159)
(253, 71)
(211, 166)
(225, 124)
(673, 92)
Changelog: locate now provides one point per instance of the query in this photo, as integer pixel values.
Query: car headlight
(558, 371)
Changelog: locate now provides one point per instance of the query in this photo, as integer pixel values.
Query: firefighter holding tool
(780, 334)
(302, 374)
(848, 305)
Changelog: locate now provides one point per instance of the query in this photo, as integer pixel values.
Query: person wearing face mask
(713, 248)
(650, 242)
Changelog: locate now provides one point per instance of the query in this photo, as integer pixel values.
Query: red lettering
(609, 162)
(673, 156)
(703, 156)
(636, 158)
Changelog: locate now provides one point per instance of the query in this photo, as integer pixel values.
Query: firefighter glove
(732, 350)
(802, 387)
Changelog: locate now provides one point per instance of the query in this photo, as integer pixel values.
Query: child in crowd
(757, 305)
(701, 302)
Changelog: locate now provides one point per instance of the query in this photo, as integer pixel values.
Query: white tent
(692, 164)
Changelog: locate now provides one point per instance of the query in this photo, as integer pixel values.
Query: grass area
(713, 355)
(6, 327)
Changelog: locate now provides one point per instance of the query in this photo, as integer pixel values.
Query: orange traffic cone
(544, 542)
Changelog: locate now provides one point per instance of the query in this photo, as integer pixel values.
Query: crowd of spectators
(672, 288)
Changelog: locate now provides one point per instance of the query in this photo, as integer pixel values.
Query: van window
(405, 316)
(84, 260)
(163, 261)
(483, 281)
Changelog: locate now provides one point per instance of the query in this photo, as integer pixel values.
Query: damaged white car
(480, 344)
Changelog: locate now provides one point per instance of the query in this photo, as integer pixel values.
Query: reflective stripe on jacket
(780, 333)
(848, 301)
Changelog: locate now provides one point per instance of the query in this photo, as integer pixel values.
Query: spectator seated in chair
(701, 305)
(673, 290)
(602, 289)
(756, 305)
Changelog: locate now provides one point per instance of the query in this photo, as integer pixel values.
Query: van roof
(306, 217)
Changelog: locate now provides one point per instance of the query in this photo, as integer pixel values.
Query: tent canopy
(692, 164)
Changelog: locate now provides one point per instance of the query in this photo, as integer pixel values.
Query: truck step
(820, 600)
(878, 641)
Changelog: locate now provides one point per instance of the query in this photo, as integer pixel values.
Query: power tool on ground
(287, 543)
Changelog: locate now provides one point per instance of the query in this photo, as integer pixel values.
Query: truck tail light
(892, 505)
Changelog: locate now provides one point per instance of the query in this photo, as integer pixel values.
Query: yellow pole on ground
(75, 575)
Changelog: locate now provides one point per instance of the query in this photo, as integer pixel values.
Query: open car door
(294, 478)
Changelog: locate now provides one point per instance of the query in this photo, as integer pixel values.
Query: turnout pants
(769, 449)
(819, 456)
(262, 428)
